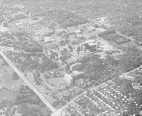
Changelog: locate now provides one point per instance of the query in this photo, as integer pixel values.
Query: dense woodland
(65, 18)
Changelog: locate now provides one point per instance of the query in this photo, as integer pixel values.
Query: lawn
(6, 78)
(6, 94)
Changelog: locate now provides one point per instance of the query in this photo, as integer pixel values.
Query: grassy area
(6, 94)
(6, 78)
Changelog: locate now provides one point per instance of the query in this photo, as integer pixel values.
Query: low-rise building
(4, 29)
(18, 16)
(68, 79)
(69, 61)
(76, 66)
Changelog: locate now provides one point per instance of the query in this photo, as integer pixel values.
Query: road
(55, 112)
(43, 99)
(45, 82)
(116, 31)
(125, 36)
(58, 113)
(44, 51)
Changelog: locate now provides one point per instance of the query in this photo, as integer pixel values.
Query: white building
(4, 29)
(68, 79)
(76, 66)
(100, 30)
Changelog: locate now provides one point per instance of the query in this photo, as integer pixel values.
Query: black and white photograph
(70, 57)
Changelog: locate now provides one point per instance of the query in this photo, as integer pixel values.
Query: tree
(130, 60)
(15, 76)
(47, 63)
(132, 109)
(96, 68)
(125, 87)
(24, 109)
(107, 33)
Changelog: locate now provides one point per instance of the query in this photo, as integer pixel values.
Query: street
(28, 83)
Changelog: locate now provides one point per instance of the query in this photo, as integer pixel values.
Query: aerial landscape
(70, 57)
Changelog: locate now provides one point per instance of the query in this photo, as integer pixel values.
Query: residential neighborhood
(56, 62)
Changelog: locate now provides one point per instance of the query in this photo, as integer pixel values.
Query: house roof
(69, 60)
(4, 29)
(19, 16)
(67, 78)
(90, 27)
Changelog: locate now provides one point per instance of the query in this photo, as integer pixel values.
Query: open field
(6, 94)
(6, 78)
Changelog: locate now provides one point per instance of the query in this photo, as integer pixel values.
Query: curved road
(43, 99)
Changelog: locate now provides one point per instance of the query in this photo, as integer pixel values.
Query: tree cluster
(98, 69)
(15, 76)
(65, 18)
(131, 59)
